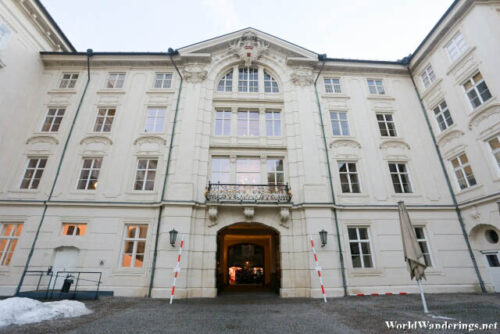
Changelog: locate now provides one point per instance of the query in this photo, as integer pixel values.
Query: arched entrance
(248, 258)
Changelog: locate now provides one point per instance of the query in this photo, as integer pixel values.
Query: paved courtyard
(265, 313)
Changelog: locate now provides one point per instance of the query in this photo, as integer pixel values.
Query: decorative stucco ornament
(212, 215)
(248, 48)
(302, 76)
(249, 212)
(284, 215)
(194, 73)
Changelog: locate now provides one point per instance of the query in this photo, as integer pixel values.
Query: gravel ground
(264, 313)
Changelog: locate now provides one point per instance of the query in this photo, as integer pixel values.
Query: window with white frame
(155, 120)
(104, 119)
(226, 82)
(248, 79)
(400, 177)
(456, 46)
(163, 80)
(376, 86)
(340, 124)
(463, 171)
(221, 170)
(115, 80)
(68, 80)
(134, 246)
(248, 123)
(349, 180)
(273, 123)
(33, 173)
(275, 172)
(9, 236)
(476, 89)
(443, 116)
(494, 145)
(359, 244)
(223, 122)
(427, 76)
(53, 119)
(248, 171)
(424, 245)
(89, 173)
(270, 84)
(74, 229)
(386, 125)
(332, 85)
(4, 35)
(145, 174)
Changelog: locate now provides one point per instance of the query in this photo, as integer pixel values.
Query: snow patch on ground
(19, 311)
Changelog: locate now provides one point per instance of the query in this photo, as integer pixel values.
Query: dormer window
(248, 80)
(270, 85)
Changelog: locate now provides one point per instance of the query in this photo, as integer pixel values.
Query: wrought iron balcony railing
(248, 193)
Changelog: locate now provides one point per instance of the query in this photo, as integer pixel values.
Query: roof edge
(51, 20)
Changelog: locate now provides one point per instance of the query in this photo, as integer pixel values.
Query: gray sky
(363, 29)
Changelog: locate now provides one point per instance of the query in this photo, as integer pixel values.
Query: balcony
(248, 193)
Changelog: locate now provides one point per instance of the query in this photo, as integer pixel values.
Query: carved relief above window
(248, 48)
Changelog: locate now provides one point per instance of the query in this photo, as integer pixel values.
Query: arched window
(226, 83)
(248, 80)
(270, 85)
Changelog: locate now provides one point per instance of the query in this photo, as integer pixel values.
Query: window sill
(430, 88)
(361, 272)
(62, 91)
(353, 195)
(443, 133)
(405, 195)
(469, 189)
(459, 60)
(160, 91)
(380, 97)
(142, 192)
(335, 96)
(111, 91)
(25, 191)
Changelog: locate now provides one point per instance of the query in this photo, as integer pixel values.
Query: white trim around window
(360, 247)
(9, 237)
(494, 148)
(463, 171)
(133, 250)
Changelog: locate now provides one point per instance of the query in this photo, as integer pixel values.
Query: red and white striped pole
(318, 269)
(177, 269)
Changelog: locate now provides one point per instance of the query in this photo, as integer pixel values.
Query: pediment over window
(48, 139)
(490, 114)
(394, 143)
(450, 136)
(349, 143)
(96, 140)
(149, 139)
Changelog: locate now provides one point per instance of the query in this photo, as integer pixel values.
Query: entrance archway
(248, 258)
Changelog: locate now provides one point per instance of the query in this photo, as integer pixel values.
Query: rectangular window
(104, 119)
(72, 229)
(340, 124)
(494, 144)
(145, 174)
(115, 80)
(376, 86)
(359, 244)
(222, 122)
(248, 80)
(424, 245)
(135, 246)
(68, 80)
(221, 171)
(248, 171)
(386, 125)
(273, 123)
(275, 172)
(332, 85)
(248, 123)
(163, 80)
(400, 177)
(53, 120)
(155, 120)
(349, 180)
(476, 90)
(456, 46)
(89, 173)
(463, 171)
(427, 76)
(33, 173)
(443, 116)
(9, 235)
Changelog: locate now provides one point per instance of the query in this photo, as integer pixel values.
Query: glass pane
(139, 260)
(368, 261)
(356, 262)
(363, 233)
(419, 232)
(352, 233)
(129, 246)
(127, 259)
(131, 231)
(354, 248)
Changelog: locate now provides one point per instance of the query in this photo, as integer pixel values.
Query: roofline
(107, 53)
(54, 24)
(365, 61)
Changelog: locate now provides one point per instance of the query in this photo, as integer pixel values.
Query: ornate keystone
(212, 215)
(284, 215)
(249, 212)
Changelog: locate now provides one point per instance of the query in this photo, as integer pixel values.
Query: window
(248, 80)
(222, 122)
(135, 245)
(332, 85)
(9, 234)
(386, 125)
(104, 119)
(89, 173)
(476, 90)
(400, 177)
(275, 172)
(427, 76)
(221, 171)
(248, 171)
(494, 144)
(162, 80)
(72, 229)
(463, 171)
(155, 120)
(340, 124)
(4, 35)
(68, 80)
(424, 245)
(53, 120)
(115, 80)
(443, 116)
(349, 180)
(456, 46)
(33, 173)
(376, 87)
(273, 123)
(145, 174)
(248, 123)
(226, 83)
(270, 84)
(359, 243)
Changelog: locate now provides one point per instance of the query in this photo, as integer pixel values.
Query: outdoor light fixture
(323, 236)
(173, 237)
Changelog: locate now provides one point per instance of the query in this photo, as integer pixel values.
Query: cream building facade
(248, 145)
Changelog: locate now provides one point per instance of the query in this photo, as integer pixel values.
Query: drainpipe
(448, 183)
(45, 203)
(332, 192)
(170, 53)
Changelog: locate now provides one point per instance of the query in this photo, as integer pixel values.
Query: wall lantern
(173, 237)
(323, 236)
